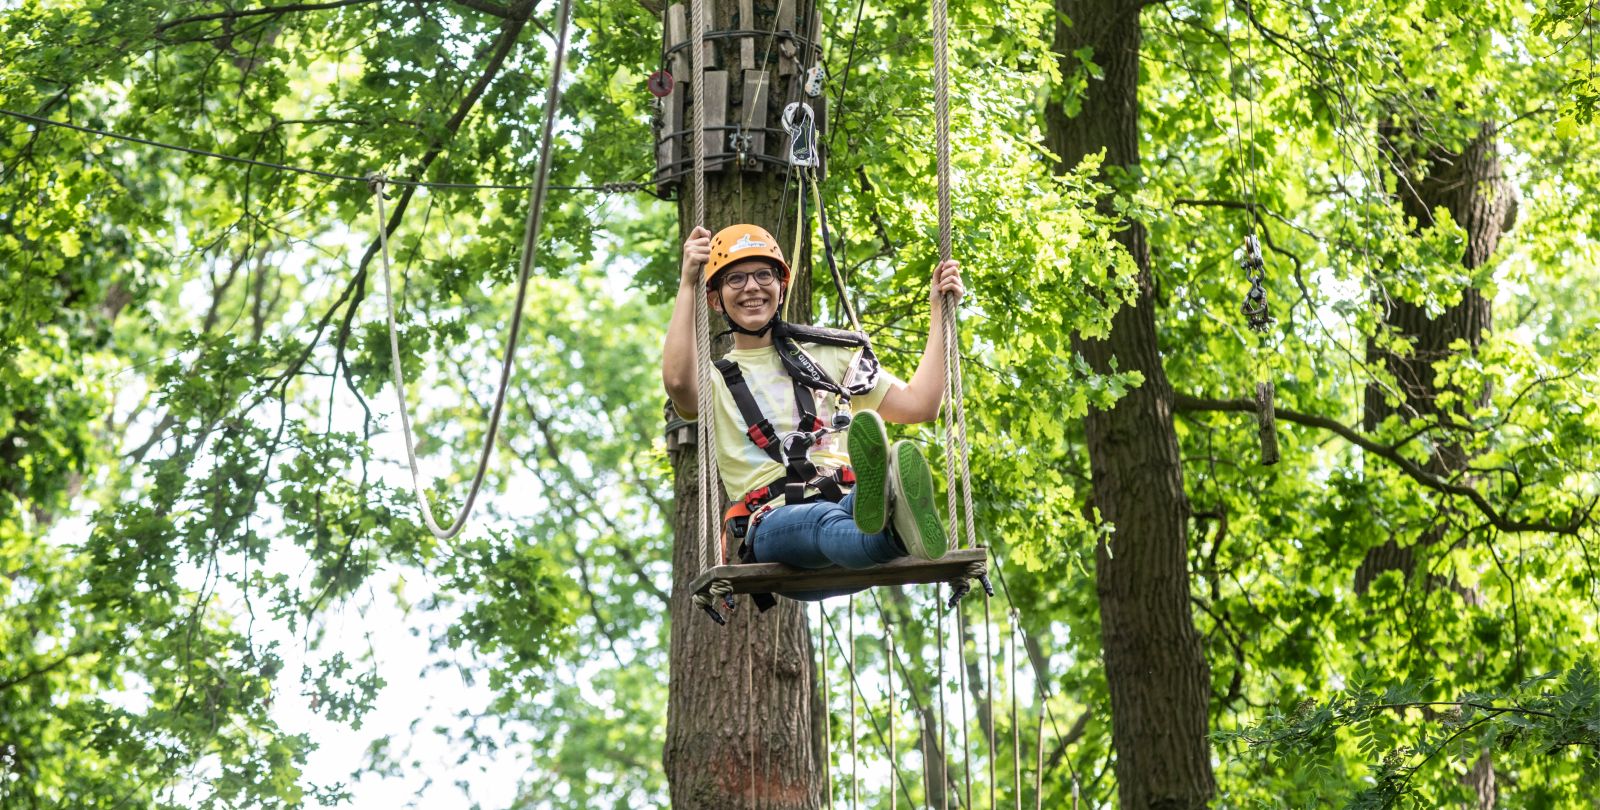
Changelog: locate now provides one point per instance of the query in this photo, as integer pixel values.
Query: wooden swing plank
(779, 578)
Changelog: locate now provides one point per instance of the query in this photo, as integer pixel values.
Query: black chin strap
(762, 332)
(734, 327)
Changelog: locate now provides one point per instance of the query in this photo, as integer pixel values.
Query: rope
(859, 692)
(604, 188)
(849, 63)
(1016, 730)
(956, 419)
(530, 243)
(708, 479)
(716, 592)
(798, 253)
(988, 690)
(750, 710)
(944, 724)
(961, 681)
(827, 249)
(890, 655)
(827, 703)
(855, 779)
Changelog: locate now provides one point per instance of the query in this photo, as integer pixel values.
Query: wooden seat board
(780, 578)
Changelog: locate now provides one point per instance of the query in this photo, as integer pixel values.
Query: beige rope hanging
(530, 244)
(707, 522)
(956, 455)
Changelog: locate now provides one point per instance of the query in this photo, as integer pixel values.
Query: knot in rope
(959, 588)
(376, 181)
(719, 590)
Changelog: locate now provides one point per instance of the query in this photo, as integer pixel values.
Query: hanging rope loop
(530, 244)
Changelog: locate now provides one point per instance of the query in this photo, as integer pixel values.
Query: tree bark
(745, 722)
(1471, 185)
(1156, 672)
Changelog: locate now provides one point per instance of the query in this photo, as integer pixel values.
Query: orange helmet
(737, 242)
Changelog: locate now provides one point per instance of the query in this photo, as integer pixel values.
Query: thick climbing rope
(530, 243)
(956, 418)
(709, 480)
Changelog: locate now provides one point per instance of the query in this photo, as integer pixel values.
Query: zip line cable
(604, 188)
(530, 244)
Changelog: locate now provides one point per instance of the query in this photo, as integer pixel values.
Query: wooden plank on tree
(669, 147)
(754, 116)
(786, 46)
(678, 33)
(716, 107)
(747, 22)
(779, 578)
(710, 45)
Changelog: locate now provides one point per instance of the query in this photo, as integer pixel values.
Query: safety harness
(793, 449)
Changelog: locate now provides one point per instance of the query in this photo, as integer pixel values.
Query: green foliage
(200, 489)
(1553, 719)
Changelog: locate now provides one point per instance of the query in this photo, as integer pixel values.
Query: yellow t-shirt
(743, 465)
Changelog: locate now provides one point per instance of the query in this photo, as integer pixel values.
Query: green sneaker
(868, 445)
(916, 517)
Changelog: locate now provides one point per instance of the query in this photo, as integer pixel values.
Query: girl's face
(749, 291)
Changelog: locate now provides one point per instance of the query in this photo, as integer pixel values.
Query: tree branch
(1184, 402)
(257, 12)
(493, 9)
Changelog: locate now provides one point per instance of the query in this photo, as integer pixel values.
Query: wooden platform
(779, 578)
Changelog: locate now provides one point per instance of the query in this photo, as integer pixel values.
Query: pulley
(801, 124)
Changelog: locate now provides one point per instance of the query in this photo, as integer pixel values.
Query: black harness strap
(760, 430)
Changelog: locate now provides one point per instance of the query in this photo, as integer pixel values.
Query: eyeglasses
(738, 279)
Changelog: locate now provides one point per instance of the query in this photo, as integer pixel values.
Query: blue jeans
(817, 535)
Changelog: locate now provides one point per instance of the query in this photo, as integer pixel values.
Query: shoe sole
(868, 444)
(916, 516)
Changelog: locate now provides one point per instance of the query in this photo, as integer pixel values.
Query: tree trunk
(1156, 672)
(745, 723)
(1472, 187)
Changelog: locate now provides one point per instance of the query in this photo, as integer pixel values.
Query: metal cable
(530, 243)
(622, 187)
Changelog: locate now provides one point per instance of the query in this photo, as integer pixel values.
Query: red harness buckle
(758, 435)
